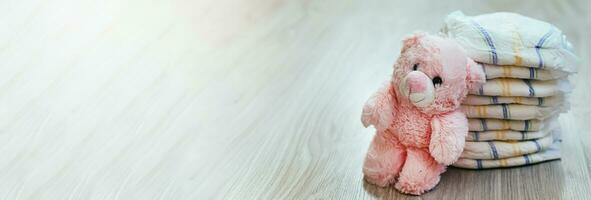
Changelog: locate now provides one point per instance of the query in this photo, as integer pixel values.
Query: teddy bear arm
(379, 109)
(448, 133)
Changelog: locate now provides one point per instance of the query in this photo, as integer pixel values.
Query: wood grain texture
(234, 99)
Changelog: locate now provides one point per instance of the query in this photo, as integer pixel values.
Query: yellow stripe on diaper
(501, 134)
(474, 109)
(484, 111)
(478, 110)
(518, 100)
(509, 88)
(503, 162)
(517, 42)
(507, 71)
(516, 149)
(505, 87)
(506, 124)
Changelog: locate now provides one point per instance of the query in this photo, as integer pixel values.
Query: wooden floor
(236, 99)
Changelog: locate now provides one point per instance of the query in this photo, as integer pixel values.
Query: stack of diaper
(513, 116)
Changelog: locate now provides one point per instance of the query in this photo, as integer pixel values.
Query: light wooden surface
(233, 99)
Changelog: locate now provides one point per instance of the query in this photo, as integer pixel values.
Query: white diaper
(511, 39)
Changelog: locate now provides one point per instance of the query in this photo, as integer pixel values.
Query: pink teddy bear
(419, 127)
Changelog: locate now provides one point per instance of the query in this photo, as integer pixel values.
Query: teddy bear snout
(416, 83)
(418, 87)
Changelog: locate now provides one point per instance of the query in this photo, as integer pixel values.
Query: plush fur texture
(419, 128)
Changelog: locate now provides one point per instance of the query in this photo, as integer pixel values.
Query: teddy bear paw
(408, 189)
(380, 180)
(444, 154)
(414, 188)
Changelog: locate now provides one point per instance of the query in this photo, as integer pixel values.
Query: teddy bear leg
(420, 172)
(384, 160)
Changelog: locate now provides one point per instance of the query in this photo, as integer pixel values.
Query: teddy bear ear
(411, 40)
(475, 74)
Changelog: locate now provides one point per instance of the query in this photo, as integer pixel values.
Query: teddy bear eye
(415, 67)
(437, 81)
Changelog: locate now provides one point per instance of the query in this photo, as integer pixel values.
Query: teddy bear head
(434, 74)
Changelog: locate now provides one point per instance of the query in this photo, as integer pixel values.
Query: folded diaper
(477, 100)
(481, 124)
(505, 135)
(522, 87)
(551, 153)
(520, 72)
(511, 39)
(509, 111)
(506, 149)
